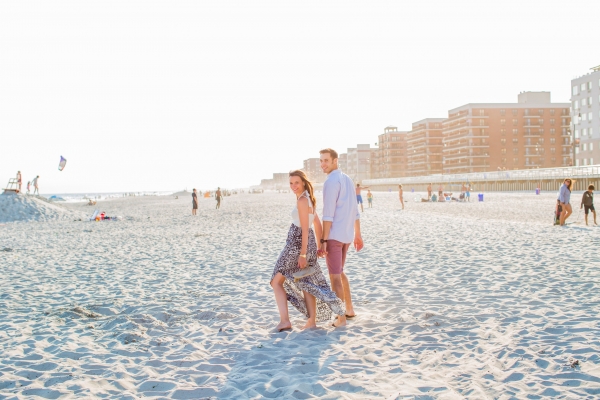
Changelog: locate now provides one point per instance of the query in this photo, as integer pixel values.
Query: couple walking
(308, 240)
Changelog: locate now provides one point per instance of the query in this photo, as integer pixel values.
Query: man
(440, 191)
(218, 197)
(194, 202)
(429, 192)
(19, 180)
(359, 199)
(35, 185)
(341, 226)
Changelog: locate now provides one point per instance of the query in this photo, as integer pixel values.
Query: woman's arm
(303, 215)
(318, 229)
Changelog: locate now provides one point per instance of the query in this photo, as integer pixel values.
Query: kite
(62, 163)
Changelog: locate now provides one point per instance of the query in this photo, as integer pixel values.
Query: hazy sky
(165, 95)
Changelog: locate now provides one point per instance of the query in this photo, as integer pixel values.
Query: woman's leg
(311, 307)
(281, 300)
(569, 211)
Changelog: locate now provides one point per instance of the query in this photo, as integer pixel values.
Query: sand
(473, 300)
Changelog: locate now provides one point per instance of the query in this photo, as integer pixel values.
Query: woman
(311, 295)
(401, 194)
(194, 202)
(564, 197)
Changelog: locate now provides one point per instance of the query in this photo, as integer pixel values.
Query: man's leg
(335, 264)
(347, 296)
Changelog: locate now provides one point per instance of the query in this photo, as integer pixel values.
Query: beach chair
(12, 187)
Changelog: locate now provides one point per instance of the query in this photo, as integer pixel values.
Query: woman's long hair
(570, 183)
(307, 185)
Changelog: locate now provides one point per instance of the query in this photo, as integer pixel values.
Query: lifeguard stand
(12, 187)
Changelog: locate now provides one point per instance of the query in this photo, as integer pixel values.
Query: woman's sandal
(303, 273)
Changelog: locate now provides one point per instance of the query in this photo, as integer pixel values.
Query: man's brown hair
(331, 152)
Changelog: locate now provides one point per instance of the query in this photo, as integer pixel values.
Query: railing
(590, 171)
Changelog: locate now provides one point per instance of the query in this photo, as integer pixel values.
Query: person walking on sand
(341, 226)
(401, 195)
(36, 189)
(429, 190)
(370, 198)
(359, 199)
(28, 186)
(19, 180)
(440, 191)
(564, 198)
(311, 295)
(587, 201)
(194, 202)
(218, 197)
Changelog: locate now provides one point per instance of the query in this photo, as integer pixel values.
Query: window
(504, 161)
(585, 161)
(515, 160)
(590, 85)
(503, 142)
(564, 131)
(515, 140)
(577, 163)
(584, 117)
(590, 101)
(503, 112)
(541, 121)
(502, 122)
(553, 150)
(552, 140)
(552, 112)
(576, 133)
(503, 151)
(515, 131)
(583, 102)
(541, 131)
(503, 132)
(541, 141)
(590, 116)
(481, 112)
(526, 112)
(583, 87)
(552, 120)
(515, 150)
(576, 105)
(514, 113)
(481, 121)
(584, 147)
(553, 160)
(584, 132)
(591, 161)
(552, 131)
(540, 112)
(515, 122)
(575, 90)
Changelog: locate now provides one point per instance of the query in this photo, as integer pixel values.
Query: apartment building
(585, 117)
(358, 164)
(312, 167)
(343, 162)
(532, 133)
(424, 147)
(391, 160)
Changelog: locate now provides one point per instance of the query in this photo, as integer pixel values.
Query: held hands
(322, 251)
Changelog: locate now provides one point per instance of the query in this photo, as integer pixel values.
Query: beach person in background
(341, 226)
(311, 294)
(28, 186)
(587, 201)
(19, 180)
(370, 198)
(429, 190)
(401, 195)
(218, 197)
(36, 189)
(359, 199)
(468, 192)
(564, 197)
(440, 191)
(194, 202)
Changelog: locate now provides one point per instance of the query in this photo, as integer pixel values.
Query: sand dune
(476, 300)
(19, 207)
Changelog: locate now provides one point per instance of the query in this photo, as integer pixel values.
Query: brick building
(390, 160)
(424, 147)
(532, 133)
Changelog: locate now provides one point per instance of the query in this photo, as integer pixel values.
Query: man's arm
(358, 242)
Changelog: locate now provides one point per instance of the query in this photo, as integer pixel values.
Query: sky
(162, 95)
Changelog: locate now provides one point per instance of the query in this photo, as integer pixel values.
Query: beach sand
(470, 300)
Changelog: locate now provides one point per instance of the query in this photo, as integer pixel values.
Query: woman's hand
(302, 263)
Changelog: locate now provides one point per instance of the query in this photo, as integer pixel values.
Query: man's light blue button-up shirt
(339, 206)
